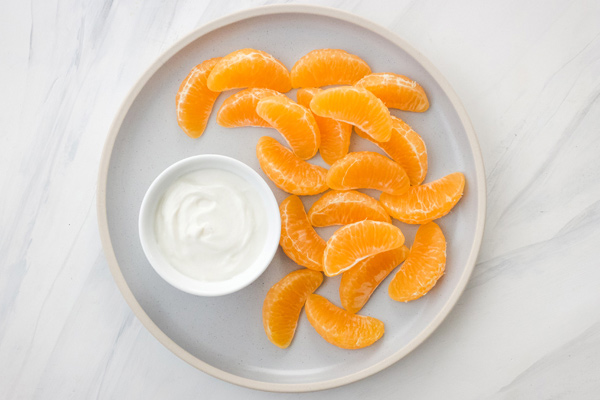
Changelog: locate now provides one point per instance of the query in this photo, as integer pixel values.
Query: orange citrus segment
(284, 301)
(346, 207)
(406, 148)
(335, 135)
(354, 242)
(368, 170)
(356, 106)
(360, 281)
(287, 170)
(340, 327)
(194, 100)
(249, 68)
(396, 91)
(424, 203)
(295, 122)
(240, 109)
(299, 240)
(328, 67)
(423, 267)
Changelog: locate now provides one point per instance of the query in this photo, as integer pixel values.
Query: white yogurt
(210, 225)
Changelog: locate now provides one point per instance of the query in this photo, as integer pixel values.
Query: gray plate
(224, 336)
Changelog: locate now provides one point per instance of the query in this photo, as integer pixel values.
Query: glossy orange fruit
(288, 171)
(368, 170)
(346, 207)
(328, 67)
(340, 327)
(356, 106)
(239, 109)
(335, 135)
(360, 281)
(406, 148)
(299, 240)
(423, 267)
(249, 68)
(295, 123)
(284, 302)
(396, 91)
(354, 242)
(424, 203)
(194, 100)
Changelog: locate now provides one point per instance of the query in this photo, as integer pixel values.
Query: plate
(223, 336)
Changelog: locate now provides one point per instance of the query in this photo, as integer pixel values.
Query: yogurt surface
(210, 225)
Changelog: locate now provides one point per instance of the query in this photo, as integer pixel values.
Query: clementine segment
(360, 281)
(396, 91)
(284, 302)
(335, 135)
(249, 68)
(299, 240)
(295, 123)
(354, 242)
(346, 207)
(194, 100)
(340, 327)
(424, 203)
(423, 267)
(368, 170)
(240, 109)
(406, 148)
(328, 67)
(356, 106)
(288, 171)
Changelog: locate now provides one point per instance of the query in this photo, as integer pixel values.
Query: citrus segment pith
(354, 242)
(194, 100)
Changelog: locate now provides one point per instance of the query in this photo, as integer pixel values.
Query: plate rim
(103, 176)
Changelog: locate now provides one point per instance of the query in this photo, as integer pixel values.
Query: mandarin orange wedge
(396, 91)
(346, 207)
(354, 242)
(240, 109)
(406, 148)
(288, 171)
(299, 240)
(194, 100)
(340, 327)
(424, 203)
(284, 302)
(295, 123)
(356, 106)
(360, 281)
(249, 68)
(368, 170)
(423, 267)
(335, 135)
(328, 67)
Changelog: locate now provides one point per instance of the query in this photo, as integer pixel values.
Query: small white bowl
(152, 249)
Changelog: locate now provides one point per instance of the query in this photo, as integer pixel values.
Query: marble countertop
(527, 326)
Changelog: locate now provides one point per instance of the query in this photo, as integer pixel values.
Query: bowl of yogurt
(209, 225)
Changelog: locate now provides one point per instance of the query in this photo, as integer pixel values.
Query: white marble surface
(528, 324)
